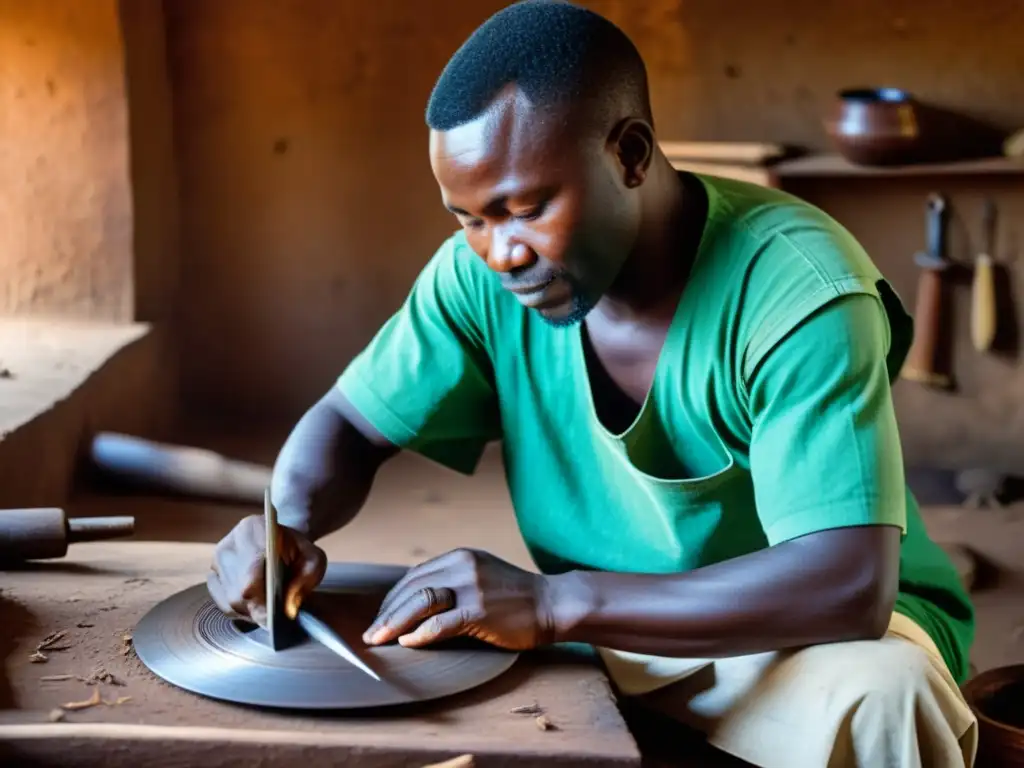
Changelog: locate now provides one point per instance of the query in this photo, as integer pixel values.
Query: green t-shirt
(770, 415)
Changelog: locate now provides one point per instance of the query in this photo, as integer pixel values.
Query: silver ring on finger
(439, 597)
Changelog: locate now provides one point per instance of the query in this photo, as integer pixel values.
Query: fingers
(254, 579)
(307, 571)
(440, 626)
(232, 607)
(403, 618)
(217, 593)
(454, 563)
(401, 589)
(236, 579)
(258, 613)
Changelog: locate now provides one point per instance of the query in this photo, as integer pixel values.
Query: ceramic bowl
(875, 126)
(997, 698)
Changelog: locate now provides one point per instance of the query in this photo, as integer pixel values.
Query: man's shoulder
(784, 259)
(777, 232)
(457, 260)
(458, 290)
(456, 274)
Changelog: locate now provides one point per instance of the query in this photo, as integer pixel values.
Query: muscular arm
(824, 587)
(828, 479)
(326, 467)
(422, 384)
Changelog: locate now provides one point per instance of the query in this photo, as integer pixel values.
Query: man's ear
(633, 142)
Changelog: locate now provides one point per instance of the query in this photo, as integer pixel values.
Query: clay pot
(875, 126)
(997, 699)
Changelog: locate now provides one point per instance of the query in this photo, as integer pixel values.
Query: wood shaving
(94, 701)
(527, 709)
(543, 724)
(462, 761)
(56, 678)
(38, 658)
(56, 715)
(49, 643)
(101, 675)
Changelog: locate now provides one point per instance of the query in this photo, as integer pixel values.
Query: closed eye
(465, 219)
(534, 213)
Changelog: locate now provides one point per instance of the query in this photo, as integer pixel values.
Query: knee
(899, 717)
(895, 681)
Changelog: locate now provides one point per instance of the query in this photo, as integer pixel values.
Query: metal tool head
(280, 628)
(934, 256)
(276, 618)
(323, 634)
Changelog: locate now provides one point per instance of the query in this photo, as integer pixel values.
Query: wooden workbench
(98, 593)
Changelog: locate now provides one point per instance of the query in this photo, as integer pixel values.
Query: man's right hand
(237, 576)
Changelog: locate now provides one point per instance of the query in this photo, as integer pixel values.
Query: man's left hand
(466, 593)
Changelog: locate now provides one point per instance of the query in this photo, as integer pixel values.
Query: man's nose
(507, 255)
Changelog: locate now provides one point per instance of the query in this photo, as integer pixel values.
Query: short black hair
(557, 53)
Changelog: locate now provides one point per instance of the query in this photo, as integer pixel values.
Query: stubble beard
(579, 308)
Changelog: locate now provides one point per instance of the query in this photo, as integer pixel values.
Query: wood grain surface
(97, 594)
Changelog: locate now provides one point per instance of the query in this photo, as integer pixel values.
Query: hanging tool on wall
(983, 293)
(929, 359)
(44, 533)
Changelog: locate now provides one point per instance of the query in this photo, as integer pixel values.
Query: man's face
(543, 203)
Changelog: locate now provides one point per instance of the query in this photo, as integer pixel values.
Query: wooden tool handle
(44, 533)
(32, 534)
(983, 304)
(99, 528)
(924, 362)
(462, 761)
(180, 469)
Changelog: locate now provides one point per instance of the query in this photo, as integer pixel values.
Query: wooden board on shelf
(732, 152)
(753, 174)
(835, 165)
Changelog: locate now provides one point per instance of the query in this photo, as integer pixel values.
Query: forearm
(326, 468)
(808, 591)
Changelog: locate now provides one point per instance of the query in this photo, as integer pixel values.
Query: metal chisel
(276, 618)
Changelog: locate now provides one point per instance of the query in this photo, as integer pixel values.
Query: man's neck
(653, 276)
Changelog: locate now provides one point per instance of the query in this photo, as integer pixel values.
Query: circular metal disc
(190, 643)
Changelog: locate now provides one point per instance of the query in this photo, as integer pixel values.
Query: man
(691, 380)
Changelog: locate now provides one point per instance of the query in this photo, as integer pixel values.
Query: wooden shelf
(822, 166)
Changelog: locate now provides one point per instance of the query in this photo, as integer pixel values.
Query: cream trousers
(888, 703)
